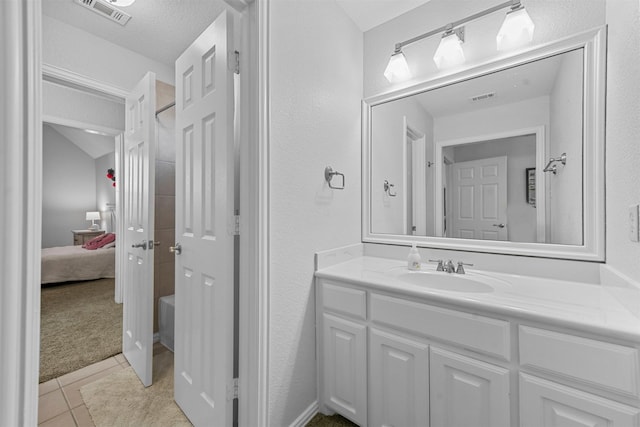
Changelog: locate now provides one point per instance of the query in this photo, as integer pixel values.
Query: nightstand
(80, 237)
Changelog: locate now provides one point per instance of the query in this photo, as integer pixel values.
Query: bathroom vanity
(400, 348)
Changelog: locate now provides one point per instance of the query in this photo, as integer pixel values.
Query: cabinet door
(344, 370)
(547, 404)
(399, 381)
(467, 392)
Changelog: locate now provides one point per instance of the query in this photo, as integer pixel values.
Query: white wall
(521, 154)
(553, 19)
(623, 133)
(387, 133)
(565, 136)
(315, 92)
(68, 188)
(76, 50)
(105, 191)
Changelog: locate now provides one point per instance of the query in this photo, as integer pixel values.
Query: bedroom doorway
(80, 319)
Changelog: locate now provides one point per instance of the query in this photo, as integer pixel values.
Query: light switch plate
(634, 213)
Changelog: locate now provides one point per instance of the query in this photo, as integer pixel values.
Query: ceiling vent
(105, 9)
(483, 97)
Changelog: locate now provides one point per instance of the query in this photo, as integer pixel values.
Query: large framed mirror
(506, 157)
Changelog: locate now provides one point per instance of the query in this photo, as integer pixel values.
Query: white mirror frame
(593, 248)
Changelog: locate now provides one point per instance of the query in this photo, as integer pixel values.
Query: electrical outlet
(634, 213)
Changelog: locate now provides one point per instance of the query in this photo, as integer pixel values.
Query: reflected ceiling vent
(483, 97)
(105, 9)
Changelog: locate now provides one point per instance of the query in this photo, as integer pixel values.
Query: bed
(73, 263)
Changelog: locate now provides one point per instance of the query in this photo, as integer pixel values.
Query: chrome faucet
(460, 269)
(449, 268)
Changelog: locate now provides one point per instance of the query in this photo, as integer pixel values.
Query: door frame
(20, 219)
(541, 153)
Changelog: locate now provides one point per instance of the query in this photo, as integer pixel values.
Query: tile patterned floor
(60, 403)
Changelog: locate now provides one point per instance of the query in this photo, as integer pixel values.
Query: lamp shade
(449, 52)
(517, 30)
(397, 69)
(92, 216)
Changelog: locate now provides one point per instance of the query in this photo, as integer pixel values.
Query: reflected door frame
(414, 164)
(542, 148)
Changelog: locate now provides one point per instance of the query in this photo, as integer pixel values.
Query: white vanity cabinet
(342, 348)
(398, 380)
(467, 392)
(391, 359)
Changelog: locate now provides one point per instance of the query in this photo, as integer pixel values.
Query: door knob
(177, 249)
(499, 225)
(142, 245)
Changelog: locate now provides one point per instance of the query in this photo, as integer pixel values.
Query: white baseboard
(156, 337)
(306, 416)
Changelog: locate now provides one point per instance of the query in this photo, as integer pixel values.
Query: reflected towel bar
(562, 159)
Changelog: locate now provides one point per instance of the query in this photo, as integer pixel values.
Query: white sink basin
(446, 281)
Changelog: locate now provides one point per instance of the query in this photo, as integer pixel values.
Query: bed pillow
(109, 245)
(94, 241)
(100, 241)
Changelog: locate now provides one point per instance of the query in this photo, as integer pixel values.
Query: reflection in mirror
(467, 160)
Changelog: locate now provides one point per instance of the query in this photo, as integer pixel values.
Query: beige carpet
(120, 399)
(321, 420)
(80, 324)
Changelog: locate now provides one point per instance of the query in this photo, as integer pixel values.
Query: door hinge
(237, 59)
(232, 390)
(236, 225)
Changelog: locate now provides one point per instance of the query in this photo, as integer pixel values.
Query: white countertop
(588, 307)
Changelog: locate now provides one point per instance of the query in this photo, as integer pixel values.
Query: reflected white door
(137, 270)
(479, 193)
(205, 228)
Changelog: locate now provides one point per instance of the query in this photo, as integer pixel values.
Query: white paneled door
(205, 227)
(138, 181)
(480, 199)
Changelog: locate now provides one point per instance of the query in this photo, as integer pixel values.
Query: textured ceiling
(163, 29)
(158, 29)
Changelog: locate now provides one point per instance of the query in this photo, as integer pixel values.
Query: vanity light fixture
(449, 53)
(397, 69)
(516, 30)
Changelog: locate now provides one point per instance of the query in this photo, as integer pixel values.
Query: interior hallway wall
(315, 93)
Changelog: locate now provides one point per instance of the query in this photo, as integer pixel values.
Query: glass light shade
(517, 30)
(92, 216)
(397, 70)
(121, 3)
(449, 52)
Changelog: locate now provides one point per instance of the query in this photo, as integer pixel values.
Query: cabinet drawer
(598, 363)
(346, 301)
(470, 331)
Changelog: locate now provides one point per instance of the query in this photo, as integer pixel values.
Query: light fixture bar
(514, 4)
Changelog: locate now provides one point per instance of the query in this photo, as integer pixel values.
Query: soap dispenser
(413, 260)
